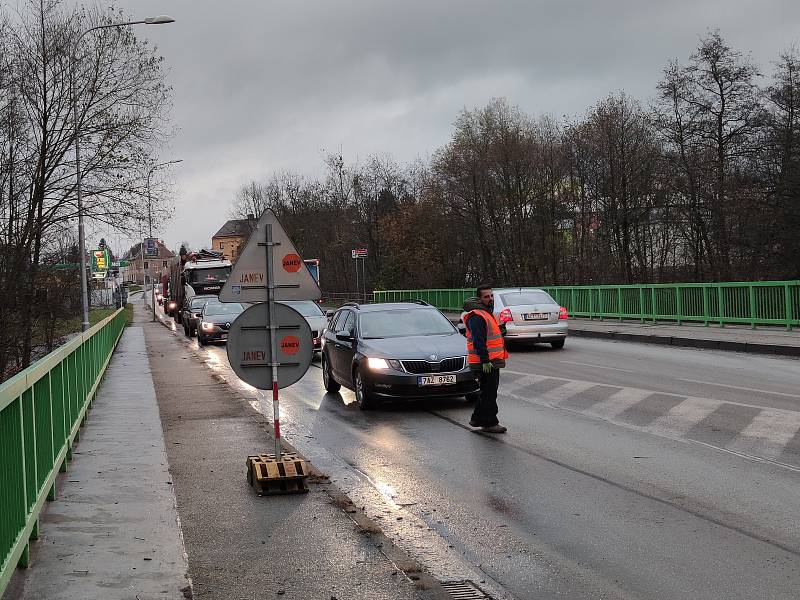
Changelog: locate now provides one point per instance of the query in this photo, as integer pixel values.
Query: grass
(128, 314)
(134, 288)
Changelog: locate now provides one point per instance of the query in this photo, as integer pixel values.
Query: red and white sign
(292, 263)
(359, 253)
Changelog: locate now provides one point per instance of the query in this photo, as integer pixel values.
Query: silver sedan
(531, 315)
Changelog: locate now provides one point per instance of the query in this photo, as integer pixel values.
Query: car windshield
(520, 298)
(404, 322)
(208, 275)
(198, 303)
(223, 308)
(307, 308)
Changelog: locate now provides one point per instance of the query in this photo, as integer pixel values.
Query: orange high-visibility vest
(494, 339)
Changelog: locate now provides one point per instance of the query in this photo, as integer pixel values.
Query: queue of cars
(210, 320)
(395, 351)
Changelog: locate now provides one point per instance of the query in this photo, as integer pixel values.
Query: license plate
(535, 316)
(436, 380)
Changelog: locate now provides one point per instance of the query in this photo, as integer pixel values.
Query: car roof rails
(416, 301)
(356, 304)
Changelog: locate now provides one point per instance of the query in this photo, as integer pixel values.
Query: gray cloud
(262, 85)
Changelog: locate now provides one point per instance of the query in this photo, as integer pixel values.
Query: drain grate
(464, 590)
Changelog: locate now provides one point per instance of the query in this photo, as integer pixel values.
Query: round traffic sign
(249, 346)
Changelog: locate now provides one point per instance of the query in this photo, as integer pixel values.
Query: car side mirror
(329, 314)
(343, 336)
(462, 329)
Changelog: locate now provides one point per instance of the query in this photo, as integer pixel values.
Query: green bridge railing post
(787, 298)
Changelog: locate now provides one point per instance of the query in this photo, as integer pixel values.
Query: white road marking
(681, 418)
(618, 403)
(527, 380)
(580, 364)
(738, 387)
(768, 433)
(567, 391)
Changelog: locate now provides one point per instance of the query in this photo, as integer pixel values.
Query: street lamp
(150, 226)
(159, 20)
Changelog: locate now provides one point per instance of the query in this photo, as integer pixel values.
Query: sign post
(151, 251)
(269, 270)
(360, 255)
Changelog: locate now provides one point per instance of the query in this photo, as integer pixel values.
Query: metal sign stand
(273, 342)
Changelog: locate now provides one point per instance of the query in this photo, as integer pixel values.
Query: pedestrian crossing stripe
(765, 432)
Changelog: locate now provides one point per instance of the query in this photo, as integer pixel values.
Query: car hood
(416, 347)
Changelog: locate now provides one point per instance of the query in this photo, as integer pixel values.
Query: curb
(706, 344)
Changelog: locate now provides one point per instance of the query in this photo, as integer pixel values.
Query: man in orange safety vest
(486, 354)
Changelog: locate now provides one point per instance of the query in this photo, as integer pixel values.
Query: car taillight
(505, 316)
(562, 313)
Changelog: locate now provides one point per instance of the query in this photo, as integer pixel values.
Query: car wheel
(558, 344)
(328, 381)
(363, 398)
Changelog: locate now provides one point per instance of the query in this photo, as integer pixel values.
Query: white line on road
(618, 403)
(580, 364)
(738, 387)
(768, 433)
(567, 391)
(684, 416)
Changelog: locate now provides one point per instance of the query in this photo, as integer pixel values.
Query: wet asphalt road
(629, 471)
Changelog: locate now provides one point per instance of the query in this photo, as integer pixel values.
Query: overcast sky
(263, 85)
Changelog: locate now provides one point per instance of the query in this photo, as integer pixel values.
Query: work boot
(494, 429)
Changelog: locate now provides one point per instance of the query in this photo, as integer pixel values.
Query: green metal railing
(749, 303)
(41, 412)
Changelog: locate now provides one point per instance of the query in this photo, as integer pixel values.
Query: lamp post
(160, 20)
(150, 226)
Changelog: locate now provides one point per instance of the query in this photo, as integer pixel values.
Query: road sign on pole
(150, 248)
(248, 280)
(250, 349)
(359, 253)
(270, 344)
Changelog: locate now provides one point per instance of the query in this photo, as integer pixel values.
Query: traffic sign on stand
(359, 253)
(250, 353)
(248, 280)
(270, 344)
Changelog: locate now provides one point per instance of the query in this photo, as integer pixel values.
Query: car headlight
(395, 364)
(377, 363)
(207, 326)
(172, 305)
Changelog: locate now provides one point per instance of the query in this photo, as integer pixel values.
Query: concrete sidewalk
(737, 338)
(242, 546)
(113, 532)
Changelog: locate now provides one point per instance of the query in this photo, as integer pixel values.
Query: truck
(200, 273)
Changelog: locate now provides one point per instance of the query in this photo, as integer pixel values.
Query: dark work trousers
(485, 412)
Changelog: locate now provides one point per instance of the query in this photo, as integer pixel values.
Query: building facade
(142, 269)
(232, 236)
